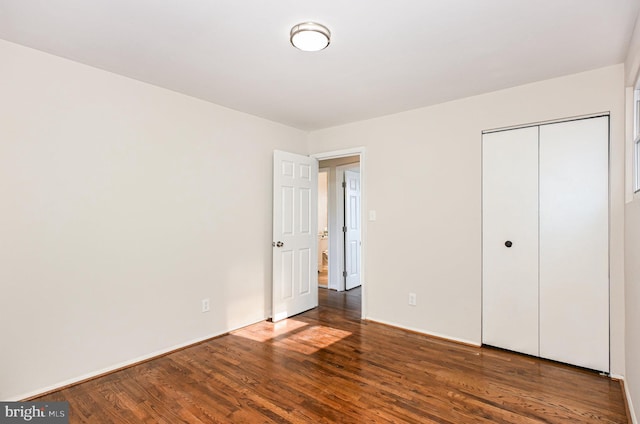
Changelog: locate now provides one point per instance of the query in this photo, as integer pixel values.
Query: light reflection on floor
(291, 334)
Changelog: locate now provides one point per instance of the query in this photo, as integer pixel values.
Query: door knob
(508, 243)
(278, 244)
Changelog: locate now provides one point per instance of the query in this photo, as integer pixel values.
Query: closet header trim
(555, 121)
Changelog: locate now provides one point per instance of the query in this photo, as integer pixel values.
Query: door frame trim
(548, 122)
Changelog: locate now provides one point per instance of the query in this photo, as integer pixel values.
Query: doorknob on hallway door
(278, 244)
(508, 243)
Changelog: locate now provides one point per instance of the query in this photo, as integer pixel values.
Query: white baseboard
(119, 366)
(627, 395)
(426, 333)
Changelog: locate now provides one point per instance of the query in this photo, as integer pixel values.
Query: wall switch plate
(412, 299)
(372, 215)
(205, 305)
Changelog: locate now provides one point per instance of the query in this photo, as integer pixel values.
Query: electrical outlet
(205, 305)
(412, 299)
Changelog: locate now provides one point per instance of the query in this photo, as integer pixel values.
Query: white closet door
(574, 240)
(510, 213)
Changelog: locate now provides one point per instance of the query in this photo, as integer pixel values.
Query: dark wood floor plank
(327, 365)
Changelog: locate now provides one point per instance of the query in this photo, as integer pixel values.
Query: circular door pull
(279, 244)
(508, 243)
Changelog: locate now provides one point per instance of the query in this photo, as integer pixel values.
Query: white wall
(123, 205)
(632, 295)
(632, 239)
(632, 61)
(323, 220)
(323, 186)
(423, 180)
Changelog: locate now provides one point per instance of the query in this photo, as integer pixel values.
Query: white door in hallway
(352, 237)
(295, 229)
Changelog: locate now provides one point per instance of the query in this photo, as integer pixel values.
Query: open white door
(295, 229)
(352, 229)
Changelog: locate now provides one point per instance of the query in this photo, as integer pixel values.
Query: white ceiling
(386, 56)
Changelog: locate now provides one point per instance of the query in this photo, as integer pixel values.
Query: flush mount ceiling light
(310, 36)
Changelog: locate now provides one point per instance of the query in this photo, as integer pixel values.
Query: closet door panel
(510, 213)
(574, 239)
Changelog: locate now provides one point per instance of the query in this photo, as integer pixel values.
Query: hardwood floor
(323, 276)
(327, 366)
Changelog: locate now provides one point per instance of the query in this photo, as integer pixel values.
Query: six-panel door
(295, 229)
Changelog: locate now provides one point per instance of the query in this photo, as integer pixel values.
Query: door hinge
(344, 229)
(344, 273)
(344, 184)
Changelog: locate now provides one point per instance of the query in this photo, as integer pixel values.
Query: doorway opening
(340, 250)
(340, 245)
(323, 228)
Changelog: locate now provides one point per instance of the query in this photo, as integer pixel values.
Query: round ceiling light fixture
(310, 36)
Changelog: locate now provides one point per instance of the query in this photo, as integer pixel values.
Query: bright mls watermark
(34, 412)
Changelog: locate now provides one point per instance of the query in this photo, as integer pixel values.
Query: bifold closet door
(510, 240)
(574, 240)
